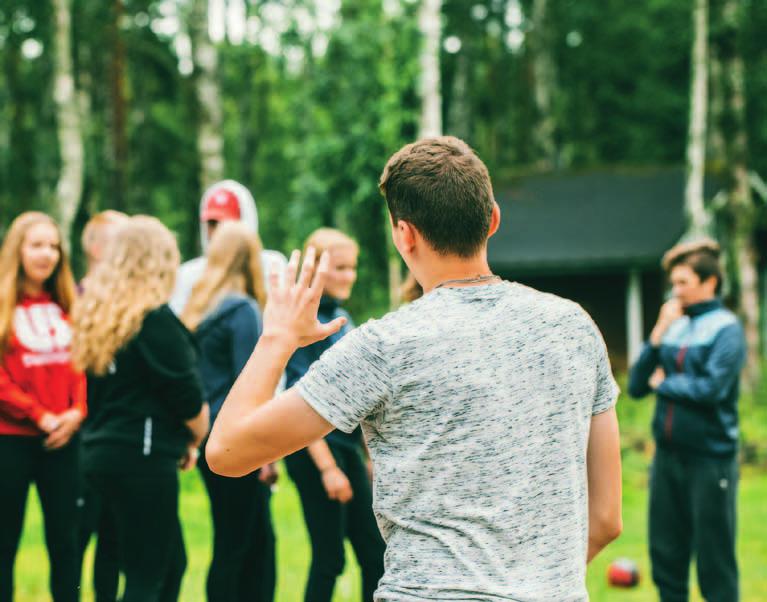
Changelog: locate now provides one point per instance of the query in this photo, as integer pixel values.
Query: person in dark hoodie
(693, 362)
(224, 314)
(147, 412)
(332, 475)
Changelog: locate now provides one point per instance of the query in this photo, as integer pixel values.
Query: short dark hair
(443, 188)
(702, 256)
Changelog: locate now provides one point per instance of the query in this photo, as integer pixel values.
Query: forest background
(137, 105)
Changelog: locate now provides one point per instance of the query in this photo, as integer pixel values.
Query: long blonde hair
(60, 285)
(135, 276)
(234, 264)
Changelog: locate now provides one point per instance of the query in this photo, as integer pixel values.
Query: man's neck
(455, 269)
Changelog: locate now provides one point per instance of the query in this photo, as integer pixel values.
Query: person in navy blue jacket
(331, 475)
(693, 362)
(224, 314)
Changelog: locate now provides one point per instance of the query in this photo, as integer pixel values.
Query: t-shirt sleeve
(349, 382)
(607, 389)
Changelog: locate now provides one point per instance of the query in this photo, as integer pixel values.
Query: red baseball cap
(221, 205)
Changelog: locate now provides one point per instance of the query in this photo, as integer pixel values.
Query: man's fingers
(292, 269)
(274, 276)
(56, 440)
(307, 269)
(318, 284)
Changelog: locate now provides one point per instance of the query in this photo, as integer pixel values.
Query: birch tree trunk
(740, 211)
(210, 142)
(430, 26)
(69, 187)
(119, 110)
(698, 221)
(459, 112)
(544, 82)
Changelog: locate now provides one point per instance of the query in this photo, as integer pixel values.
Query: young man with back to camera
(488, 407)
(693, 362)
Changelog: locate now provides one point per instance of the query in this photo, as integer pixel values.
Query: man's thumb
(333, 326)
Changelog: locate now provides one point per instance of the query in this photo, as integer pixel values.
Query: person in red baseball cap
(226, 200)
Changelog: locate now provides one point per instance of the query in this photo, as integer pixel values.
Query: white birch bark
(430, 26)
(210, 142)
(741, 206)
(69, 187)
(698, 221)
(544, 82)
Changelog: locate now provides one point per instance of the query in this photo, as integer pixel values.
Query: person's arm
(171, 363)
(720, 373)
(334, 480)
(249, 432)
(17, 403)
(603, 467)
(198, 426)
(642, 371)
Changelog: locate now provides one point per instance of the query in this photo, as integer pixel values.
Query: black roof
(589, 221)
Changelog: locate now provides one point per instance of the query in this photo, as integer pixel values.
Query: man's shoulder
(543, 302)
(515, 298)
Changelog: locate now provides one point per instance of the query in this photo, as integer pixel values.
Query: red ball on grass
(623, 573)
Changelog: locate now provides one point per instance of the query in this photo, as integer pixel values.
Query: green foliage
(310, 135)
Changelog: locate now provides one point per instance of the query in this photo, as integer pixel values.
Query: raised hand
(290, 314)
(670, 311)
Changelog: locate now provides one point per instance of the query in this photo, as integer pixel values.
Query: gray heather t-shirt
(476, 404)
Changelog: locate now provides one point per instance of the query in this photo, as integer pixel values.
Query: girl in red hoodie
(42, 399)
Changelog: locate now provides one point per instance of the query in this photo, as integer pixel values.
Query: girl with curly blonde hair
(42, 398)
(224, 312)
(147, 411)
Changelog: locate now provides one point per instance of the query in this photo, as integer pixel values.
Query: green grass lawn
(293, 550)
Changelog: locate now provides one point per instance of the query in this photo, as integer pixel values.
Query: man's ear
(711, 283)
(404, 235)
(495, 220)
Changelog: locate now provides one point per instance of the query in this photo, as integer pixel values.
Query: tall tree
(740, 212)
(430, 26)
(697, 216)
(70, 183)
(119, 150)
(544, 85)
(210, 142)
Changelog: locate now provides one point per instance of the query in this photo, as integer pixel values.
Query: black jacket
(139, 407)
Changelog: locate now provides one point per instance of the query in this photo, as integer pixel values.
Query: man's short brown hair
(440, 186)
(702, 256)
